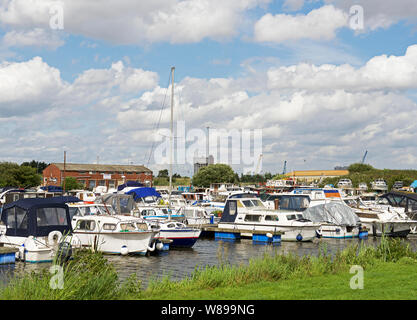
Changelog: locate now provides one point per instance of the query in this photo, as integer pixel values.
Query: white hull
(115, 242)
(338, 232)
(28, 249)
(290, 233)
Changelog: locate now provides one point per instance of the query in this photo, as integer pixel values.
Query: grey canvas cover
(333, 212)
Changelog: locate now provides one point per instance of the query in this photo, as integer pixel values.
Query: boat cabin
(36, 217)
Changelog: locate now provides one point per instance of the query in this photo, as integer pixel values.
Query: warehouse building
(94, 175)
(309, 176)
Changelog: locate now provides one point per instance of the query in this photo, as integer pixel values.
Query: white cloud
(381, 13)
(293, 5)
(319, 24)
(34, 38)
(379, 73)
(135, 22)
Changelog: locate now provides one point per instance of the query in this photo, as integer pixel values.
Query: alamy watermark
(357, 281)
(356, 18)
(56, 13)
(233, 146)
(57, 280)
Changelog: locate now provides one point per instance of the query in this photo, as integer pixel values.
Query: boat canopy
(406, 200)
(333, 212)
(36, 217)
(121, 203)
(129, 184)
(52, 189)
(143, 193)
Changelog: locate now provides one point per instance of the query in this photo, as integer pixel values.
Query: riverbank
(387, 273)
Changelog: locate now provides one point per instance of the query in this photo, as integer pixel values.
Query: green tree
(71, 183)
(163, 173)
(220, 173)
(360, 167)
(39, 166)
(11, 174)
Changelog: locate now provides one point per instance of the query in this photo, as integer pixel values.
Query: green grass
(386, 281)
(388, 274)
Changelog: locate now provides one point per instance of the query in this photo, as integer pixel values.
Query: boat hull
(115, 242)
(180, 238)
(290, 233)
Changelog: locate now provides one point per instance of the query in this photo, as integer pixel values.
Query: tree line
(25, 175)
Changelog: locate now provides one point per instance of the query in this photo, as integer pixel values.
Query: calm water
(180, 263)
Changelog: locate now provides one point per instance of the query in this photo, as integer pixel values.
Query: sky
(324, 81)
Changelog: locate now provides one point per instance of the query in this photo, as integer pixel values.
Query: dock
(258, 236)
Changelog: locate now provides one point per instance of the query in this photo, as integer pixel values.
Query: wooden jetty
(258, 236)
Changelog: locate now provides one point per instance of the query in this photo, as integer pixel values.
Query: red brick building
(93, 175)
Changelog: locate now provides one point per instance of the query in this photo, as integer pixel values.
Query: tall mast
(172, 135)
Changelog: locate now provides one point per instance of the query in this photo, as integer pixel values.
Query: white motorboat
(363, 186)
(196, 215)
(38, 228)
(344, 183)
(379, 185)
(181, 235)
(249, 215)
(393, 214)
(113, 234)
(336, 220)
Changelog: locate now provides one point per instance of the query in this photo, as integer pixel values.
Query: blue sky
(321, 92)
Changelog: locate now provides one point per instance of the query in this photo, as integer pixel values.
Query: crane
(284, 170)
(364, 156)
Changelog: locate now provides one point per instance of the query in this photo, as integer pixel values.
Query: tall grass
(90, 276)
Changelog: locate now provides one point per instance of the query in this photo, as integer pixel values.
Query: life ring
(54, 237)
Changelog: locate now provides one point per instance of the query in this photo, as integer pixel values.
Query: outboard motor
(64, 252)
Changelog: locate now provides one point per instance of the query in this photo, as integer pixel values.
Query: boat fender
(54, 237)
(159, 246)
(124, 251)
(299, 237)
(269, 235)
(151, 249)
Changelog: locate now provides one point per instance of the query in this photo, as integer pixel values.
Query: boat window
(232, 208)
(257, 203)
(291, 217)
(88, 225)
(294, 203)
(74, 212)
(51, 217)
(21, 218)
(109, 226)
(247, 203)
(300, 216)
(252, 217)
(171, 225)
(127, 227)
(271, 218)
(142, 226)
(11, 219)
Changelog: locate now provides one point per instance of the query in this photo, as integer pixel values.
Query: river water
(180, 263)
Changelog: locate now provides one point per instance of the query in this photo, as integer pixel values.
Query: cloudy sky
(325, 80)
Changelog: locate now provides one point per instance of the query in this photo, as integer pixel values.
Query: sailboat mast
(172, 135)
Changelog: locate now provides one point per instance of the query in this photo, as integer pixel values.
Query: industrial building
(93, 175)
